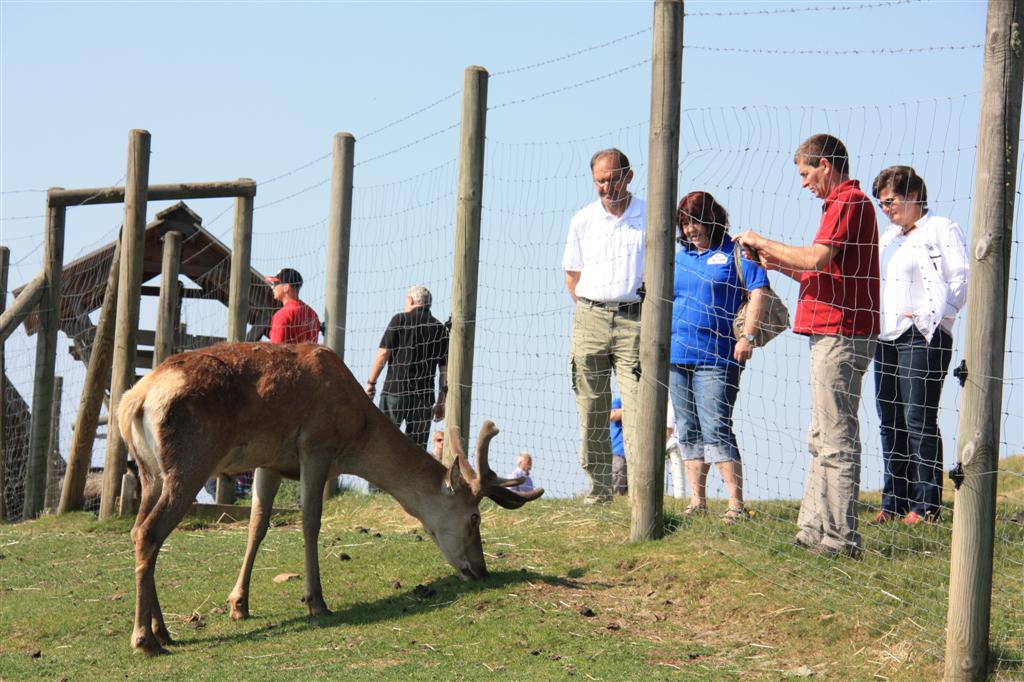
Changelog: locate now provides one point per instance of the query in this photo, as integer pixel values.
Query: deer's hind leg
(151, 489)
(264, 489)
(313, 468)
(154, 523)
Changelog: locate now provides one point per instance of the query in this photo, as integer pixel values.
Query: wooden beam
(181, 190)
(97, 379)
(23, 306)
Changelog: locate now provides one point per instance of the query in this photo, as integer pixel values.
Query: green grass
(708, 601)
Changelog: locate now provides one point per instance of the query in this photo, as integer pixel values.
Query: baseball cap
(286, 276)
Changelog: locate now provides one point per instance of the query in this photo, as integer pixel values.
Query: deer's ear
(453, 478)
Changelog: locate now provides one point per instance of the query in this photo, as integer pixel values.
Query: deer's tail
(130, 413)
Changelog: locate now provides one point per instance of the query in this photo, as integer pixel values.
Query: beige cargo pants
(603, 340)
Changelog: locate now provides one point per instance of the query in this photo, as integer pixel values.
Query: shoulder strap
(737, 258)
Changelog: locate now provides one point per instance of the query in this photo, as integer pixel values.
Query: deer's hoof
(148, 644)
(317, 606)
(239, 609)
(163, 637)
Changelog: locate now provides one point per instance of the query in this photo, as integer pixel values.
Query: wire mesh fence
(403, 235)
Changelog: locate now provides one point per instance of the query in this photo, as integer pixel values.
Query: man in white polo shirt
(604, 267)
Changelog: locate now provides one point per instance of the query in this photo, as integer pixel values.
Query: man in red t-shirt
(295, 322)
(838, 310)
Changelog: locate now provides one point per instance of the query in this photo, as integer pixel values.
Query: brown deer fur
(292, 411)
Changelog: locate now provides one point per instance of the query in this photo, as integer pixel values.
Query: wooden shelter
(205, 260)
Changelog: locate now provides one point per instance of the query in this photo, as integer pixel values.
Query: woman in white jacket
(924, 284)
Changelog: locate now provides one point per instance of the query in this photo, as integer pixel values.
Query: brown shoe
(883, 517)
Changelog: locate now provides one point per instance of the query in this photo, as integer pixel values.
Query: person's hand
(751, 242)
(438, 411)
(371, 389)
(743, 351)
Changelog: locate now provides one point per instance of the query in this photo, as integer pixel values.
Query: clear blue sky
(258, 89)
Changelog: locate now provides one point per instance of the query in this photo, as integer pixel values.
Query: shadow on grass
(422, 598)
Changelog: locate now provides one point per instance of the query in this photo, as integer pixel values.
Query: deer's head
(454, 524)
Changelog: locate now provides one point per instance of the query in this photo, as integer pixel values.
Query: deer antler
(484, 482)
(460, 468)
(489, 484)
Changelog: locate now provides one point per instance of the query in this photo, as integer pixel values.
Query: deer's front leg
(313, 469)
(264, 489)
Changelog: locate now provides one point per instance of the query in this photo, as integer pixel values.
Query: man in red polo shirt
(295, 322)
(838, 310)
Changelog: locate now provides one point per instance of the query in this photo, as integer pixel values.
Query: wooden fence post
(133, 234)
(467, 253)
(167, 309)
(5, 261)
(46, 360)
(238, 302)
(647, 468)
(970, 576)
(339, 232)
(53, 456)
(97, 374)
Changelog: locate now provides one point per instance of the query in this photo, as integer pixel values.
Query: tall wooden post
(238, 301)
(241, 268)
(46, 359)
(647, 468)
(467, 252)
(167, 309)
(129, 289)
(970, 577)
(97, 375)
(339, 232)
(5, 261)
(53, 456)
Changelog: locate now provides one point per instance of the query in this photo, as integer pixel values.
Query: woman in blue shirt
(706, 359)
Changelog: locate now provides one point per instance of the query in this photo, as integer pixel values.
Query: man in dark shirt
(414, 346)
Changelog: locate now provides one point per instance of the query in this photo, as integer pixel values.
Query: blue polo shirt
(706, 298)
(618, 447)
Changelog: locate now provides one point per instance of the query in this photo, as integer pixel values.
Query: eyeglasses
(887, 202)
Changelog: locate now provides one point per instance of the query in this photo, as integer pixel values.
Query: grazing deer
(292, 411)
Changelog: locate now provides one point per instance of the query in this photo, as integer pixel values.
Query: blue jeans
(909, 372)
(703, 398)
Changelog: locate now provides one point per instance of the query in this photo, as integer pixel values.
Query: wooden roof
(204, 260)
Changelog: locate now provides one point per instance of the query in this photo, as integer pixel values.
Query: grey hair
(420, 295)
(611, 151)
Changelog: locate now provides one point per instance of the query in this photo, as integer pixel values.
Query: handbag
(775, 319)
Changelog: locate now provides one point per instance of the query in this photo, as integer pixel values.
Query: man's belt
(618, 306)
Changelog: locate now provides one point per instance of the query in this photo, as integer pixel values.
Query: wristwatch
(751, 338)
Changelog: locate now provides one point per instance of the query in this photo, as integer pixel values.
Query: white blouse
(924, 277)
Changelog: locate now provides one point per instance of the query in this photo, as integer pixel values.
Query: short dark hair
(611, 151)
(823, 146)
(701, 208)
(904, 181)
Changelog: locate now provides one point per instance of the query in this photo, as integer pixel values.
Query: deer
(287, 411)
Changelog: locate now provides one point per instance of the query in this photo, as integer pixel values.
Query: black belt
(630, 307)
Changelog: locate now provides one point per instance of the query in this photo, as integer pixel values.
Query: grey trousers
(828, 513)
